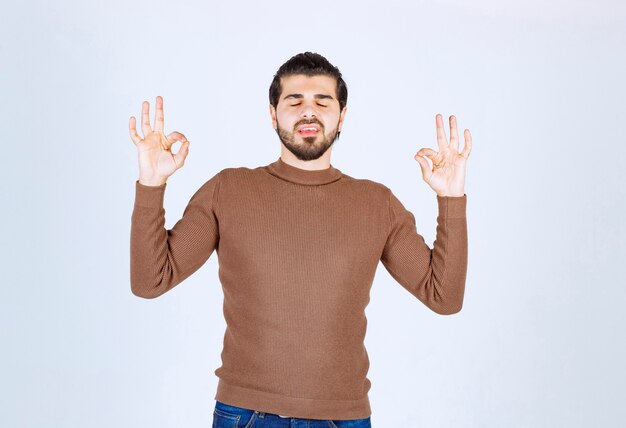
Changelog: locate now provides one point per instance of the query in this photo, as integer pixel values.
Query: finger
(454, 136)
(132, 130)
(429, 153)
(468, 144)
(165, 144)
(442, 140)
(424, 166)
(179, 158)
(174, 136)
(145, 119)
(159, 119)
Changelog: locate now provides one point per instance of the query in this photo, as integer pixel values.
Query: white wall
(539, 342)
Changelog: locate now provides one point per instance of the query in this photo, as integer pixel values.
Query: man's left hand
(447, 175)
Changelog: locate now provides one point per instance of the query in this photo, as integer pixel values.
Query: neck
(305, 176)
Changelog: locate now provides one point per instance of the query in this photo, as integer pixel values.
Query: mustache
(309, 122)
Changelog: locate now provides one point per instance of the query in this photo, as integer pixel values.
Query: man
(298, 244)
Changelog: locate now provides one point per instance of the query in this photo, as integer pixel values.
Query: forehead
(308, 85)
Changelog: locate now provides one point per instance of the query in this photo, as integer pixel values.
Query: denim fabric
(227, 416)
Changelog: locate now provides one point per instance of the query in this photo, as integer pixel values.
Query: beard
(307, 148)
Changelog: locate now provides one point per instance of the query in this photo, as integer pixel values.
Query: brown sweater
(297, 253)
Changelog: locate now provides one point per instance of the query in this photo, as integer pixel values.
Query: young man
(298, 244)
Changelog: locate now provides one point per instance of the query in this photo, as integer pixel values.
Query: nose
(309, 110)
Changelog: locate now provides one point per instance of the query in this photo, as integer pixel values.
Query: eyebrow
(317, 96)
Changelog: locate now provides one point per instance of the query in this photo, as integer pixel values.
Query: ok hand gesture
(156, 160)
(447, 175)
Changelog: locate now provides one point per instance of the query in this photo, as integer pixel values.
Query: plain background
(540, 340)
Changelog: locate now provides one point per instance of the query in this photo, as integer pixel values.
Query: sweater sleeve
(160, 259)
(435, 276)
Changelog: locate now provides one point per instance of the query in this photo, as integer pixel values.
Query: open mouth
(308, 130)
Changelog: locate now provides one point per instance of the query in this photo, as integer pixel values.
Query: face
(307, 102)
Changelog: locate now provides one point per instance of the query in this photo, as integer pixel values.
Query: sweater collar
(283, 170)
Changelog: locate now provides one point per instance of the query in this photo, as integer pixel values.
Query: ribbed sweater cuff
(452, 206)
(149, 196)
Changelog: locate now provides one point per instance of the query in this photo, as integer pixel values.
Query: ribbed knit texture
(297, 253)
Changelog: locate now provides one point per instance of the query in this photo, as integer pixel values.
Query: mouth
(308, 130)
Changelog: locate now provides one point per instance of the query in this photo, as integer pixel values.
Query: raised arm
(160, 258)
(435, 276)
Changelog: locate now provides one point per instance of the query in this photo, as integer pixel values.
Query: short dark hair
(309, 64)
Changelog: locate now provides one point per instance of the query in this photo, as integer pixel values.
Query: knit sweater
(297, 253)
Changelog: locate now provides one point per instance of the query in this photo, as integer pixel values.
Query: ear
(341, 116)
(273, 116)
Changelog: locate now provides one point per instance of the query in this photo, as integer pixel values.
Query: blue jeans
(227, 416)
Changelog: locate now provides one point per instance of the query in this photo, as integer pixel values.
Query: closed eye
(321, 105)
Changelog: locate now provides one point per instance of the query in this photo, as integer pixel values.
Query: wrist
(155, 182)
(451, 195)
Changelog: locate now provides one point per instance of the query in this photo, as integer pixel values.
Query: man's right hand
(156, 160)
